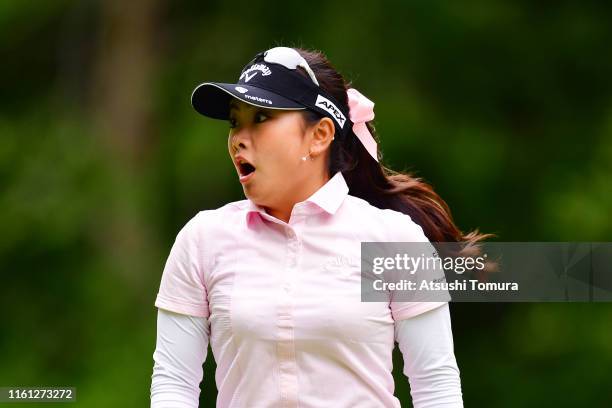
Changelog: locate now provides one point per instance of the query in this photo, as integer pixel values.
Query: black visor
(272, 86)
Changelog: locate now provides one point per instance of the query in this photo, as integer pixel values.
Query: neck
(308, 188)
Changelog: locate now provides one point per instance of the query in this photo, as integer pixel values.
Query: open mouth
(246, 168)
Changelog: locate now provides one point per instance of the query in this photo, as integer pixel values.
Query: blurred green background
(504, 106)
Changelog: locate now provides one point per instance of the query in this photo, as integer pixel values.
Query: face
(273, 141)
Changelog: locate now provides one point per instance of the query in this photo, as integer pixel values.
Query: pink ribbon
(362, 111)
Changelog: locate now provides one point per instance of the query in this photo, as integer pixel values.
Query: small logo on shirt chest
(342, 263)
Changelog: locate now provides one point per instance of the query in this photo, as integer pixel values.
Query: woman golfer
(273, 281)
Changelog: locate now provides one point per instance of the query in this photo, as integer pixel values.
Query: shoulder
(392, 224)
(215, 218)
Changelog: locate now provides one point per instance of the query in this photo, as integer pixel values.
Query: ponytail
(385, 188)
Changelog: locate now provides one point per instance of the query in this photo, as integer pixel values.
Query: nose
(236, 142)
(240, 138)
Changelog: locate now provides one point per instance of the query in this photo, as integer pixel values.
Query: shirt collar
(327, 198)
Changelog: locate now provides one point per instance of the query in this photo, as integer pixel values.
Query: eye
(260, 113)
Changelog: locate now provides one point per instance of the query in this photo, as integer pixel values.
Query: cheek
(285, 154)
(282, 149)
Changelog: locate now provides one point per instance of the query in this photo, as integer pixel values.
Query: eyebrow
(234, 106)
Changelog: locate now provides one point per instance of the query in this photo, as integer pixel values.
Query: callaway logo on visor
(248, 74)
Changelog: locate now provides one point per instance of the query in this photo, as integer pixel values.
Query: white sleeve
(181, 348)
(426, 343)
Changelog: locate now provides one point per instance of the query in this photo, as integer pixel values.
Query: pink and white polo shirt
(283, 300)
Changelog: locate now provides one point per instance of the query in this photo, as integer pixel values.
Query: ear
(322, 135)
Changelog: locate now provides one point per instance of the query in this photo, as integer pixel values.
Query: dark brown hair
(380, 186)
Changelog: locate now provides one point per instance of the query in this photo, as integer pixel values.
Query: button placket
(285, 345)
(293, 253)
